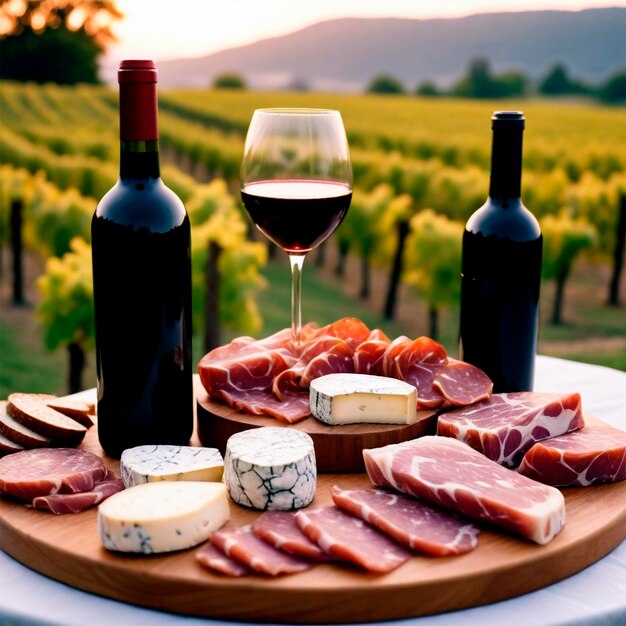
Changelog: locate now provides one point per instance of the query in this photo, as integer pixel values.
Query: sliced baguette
(76, 409)
(36, 415)
(17, 434)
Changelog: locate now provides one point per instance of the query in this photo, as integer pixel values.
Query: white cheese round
(145, 464)
(162, 516)
(271, 469)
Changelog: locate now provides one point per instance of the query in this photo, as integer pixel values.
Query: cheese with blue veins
(144, 464)
(162, 517)
(362, 398)
(271, 468)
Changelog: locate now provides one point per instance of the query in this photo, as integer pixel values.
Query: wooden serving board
(338, 449)
(67, 548)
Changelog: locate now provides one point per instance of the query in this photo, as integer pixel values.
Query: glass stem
(296, 261)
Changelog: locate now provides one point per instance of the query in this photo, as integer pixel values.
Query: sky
(168, 29)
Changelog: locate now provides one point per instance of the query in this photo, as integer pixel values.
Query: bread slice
(33, 413)
(17, 435)
(76, 409)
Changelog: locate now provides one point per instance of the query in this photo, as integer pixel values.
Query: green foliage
(385, 84)
(614, 89)
(557, 82)
(480, 83)
(66, 307)
(427, 88)
(433, 258)
(564, 238)
(229, 81)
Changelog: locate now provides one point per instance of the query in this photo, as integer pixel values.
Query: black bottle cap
(507, 119)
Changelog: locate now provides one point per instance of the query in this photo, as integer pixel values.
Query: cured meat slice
(352, 330)
(279, 529)
(293, 408)
(391, 354)
(61, 503)
(462, 384)
(410, 522)
(449, 473)
(46, 471)
(351, 539)
(244, 546)
(596, 454)
(369, 357)
(506, 425)
(214, 559)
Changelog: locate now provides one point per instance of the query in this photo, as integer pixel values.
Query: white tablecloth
(596, 595)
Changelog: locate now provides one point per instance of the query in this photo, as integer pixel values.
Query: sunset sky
(166, 29)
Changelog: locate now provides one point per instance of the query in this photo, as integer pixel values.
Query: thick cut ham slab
(506, 425)
(61, 503)
(214, 559)
(351, 539)
(46, 471)
(410, 522)
(449, 473)
(245, 547)
(279, 529)
(596, 454)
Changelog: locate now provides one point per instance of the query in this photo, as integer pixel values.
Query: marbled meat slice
(352, 330)
(46, 471)
(292, 408)
(214, 559)
(369, 356)
(61, 503)
(244, 546)
(415, 524)
(351, 539)
(449, 473)
(596, 454)
(279, 529)
(506, 426)
(462, 384)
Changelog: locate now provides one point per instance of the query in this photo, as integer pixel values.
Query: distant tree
(614, 89)
(481, 83)
(427, 88)
(385, 83)
(512, 84)
(55, 40)
(298, 84)
(229, 81)
(557, 82)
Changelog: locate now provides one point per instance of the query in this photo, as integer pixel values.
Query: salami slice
(412, 523)
(279, 529)
(244, 546)
(45, 471)
(61, 503)
(351, 539)
(215, 560)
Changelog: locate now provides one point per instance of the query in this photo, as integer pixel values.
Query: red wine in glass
(297, 215)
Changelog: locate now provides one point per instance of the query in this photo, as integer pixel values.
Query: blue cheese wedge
(146, 464)
(271, 469)
(162, 517)
(362, 398)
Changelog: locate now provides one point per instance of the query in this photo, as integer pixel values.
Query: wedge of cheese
(362, 398)
(162, 517)
(271, 468)
(146, 464)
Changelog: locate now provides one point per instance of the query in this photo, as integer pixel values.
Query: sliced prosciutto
(596, 454)
(449, 473)
(279, 529)
(506, 426)
(45, 471)
(61, 503)
(245, 547)
(351, 539)
(462, 384)
(415, 524)
(214, 559)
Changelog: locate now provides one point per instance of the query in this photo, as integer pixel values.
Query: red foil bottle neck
(138, 100)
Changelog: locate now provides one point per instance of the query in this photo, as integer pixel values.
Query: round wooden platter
(67, 548)
(338, 449)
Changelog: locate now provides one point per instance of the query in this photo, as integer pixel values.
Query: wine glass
(296, 184)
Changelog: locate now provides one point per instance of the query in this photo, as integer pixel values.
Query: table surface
(597, 595)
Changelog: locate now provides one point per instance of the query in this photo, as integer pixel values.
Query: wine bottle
(142, 286)
(501, 269)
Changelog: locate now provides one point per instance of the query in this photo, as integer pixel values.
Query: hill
(344, 54)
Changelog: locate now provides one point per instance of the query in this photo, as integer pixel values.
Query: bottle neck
(506, 163)
(139, 159)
